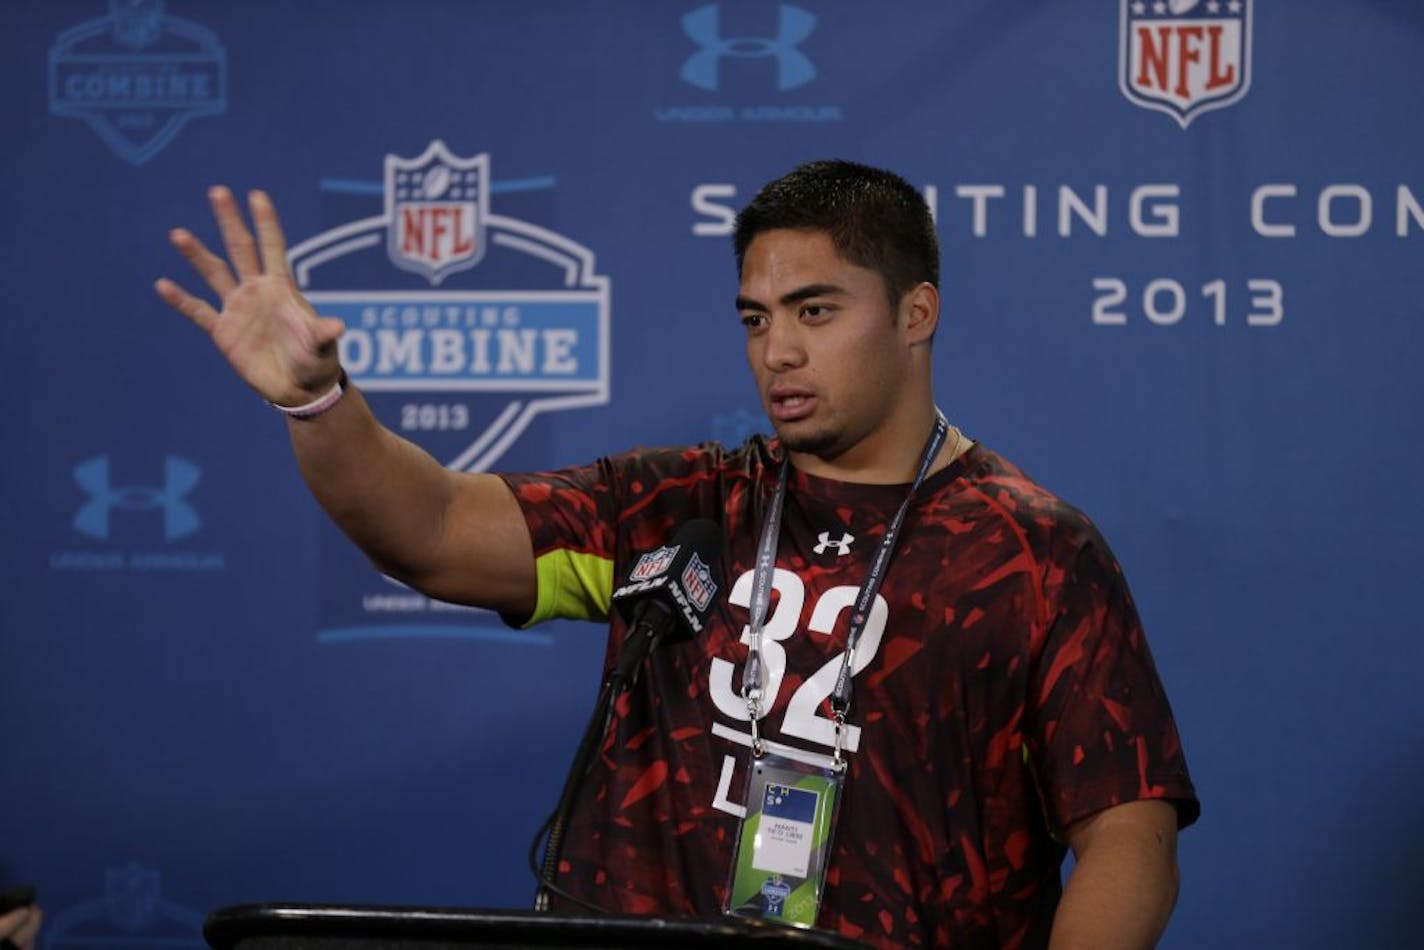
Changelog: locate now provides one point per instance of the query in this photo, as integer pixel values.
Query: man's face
(828, 355)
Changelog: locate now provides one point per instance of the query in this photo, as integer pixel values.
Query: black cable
(650, 620)
(549, 886)
(557, 823)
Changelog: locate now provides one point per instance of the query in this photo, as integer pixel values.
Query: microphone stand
(638, 643)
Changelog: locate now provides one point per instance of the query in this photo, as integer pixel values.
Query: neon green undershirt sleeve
(573, 586)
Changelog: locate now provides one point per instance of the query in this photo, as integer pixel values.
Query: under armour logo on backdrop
(842, 546)
(793, 67)
(179, 517)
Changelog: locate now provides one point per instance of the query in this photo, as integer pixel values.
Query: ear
(920, 309)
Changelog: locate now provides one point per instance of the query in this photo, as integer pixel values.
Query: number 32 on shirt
(803, 718)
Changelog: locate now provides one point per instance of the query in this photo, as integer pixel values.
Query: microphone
(668, 596)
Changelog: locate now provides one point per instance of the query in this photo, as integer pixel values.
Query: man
(1005, 703)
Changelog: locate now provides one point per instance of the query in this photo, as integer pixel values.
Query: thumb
(329, 330)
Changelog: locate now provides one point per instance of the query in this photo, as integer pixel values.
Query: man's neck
(890, 457)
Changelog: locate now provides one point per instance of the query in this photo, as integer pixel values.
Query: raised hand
(266, 329)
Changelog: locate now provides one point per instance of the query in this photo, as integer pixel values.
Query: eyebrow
(795, 296)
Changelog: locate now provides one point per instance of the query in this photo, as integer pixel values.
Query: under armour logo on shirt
(842, 546)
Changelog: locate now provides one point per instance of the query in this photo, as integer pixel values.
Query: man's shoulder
(1004, 508)
(1042, 518)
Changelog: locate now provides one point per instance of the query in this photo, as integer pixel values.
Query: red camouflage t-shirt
(1003, 690)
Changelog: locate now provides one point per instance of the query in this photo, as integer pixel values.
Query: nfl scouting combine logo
(1185, 57)
(137, 76)
(462, 326)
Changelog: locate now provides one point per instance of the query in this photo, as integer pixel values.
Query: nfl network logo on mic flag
(653, 563)
(697, 582)
(1185, 57)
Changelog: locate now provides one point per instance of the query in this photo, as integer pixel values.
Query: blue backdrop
(1182, 251)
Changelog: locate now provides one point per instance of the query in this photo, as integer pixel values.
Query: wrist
(318, 405)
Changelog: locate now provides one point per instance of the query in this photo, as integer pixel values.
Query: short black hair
(875, 219)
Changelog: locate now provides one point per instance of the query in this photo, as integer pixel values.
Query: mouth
(788, 404)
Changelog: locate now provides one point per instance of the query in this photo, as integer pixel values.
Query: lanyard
(765, 569)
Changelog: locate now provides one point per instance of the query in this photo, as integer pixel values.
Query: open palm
(265, 329)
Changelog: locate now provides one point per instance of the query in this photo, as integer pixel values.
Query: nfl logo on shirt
(652, 564)
(436, 208)
(1185, 57)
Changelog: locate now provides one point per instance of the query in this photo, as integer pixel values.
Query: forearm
(1120, 894)
(386, 494)
(457, 536)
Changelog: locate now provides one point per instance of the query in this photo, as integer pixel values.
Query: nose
(782, 345)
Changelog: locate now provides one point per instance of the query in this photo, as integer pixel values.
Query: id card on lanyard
(784, 842)
(783, 845)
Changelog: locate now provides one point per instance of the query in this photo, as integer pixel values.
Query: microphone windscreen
(678, 575)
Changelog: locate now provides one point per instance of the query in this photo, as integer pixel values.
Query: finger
(194, 308)
(241, 250)
(209, 266)
(19, 926)
(25, 936)
(269, 234)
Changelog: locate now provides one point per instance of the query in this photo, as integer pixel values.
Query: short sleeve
(570, 516)
(1100, 729)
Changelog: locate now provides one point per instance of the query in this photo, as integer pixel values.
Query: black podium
(326, 927)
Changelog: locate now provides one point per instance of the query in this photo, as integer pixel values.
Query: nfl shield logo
(137, 23)
(436, 208)
(1185, 57)
(652, 564)
(697, 582)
